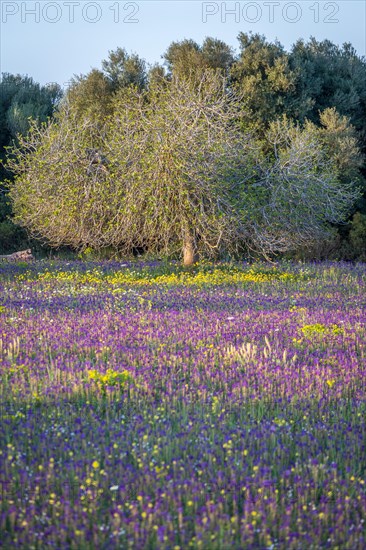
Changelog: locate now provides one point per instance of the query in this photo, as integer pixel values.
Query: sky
(52, 40)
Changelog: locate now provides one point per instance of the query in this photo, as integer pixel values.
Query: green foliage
(340, 140)
(263, 77)
(171, 158)
(298, 193)
(53, 201)
(357, 236)
(141, 160)
(21, 101)
(90, 96)
(172, 170)
(329, 76)
(188, 59)
(11, 237)
(156, 76)
(123, 70)
(184, 155)
(316, 82)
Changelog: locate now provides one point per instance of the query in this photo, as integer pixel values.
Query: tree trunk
(189, 251)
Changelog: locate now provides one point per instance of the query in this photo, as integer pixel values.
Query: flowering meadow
(148, 406)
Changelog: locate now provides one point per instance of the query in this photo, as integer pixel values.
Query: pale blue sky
(51, 40)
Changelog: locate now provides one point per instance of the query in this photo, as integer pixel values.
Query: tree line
(210, 153)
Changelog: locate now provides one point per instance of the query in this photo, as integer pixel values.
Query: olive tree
(179, 154)
(299, 193)
(159, 174)
(171, 171)
(58, 178)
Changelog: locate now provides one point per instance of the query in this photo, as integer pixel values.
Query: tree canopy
(21, 100)
(212, 152)
(172, 170)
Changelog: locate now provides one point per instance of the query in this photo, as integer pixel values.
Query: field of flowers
(145, 406)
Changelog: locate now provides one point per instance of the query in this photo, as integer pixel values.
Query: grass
(150, 406)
